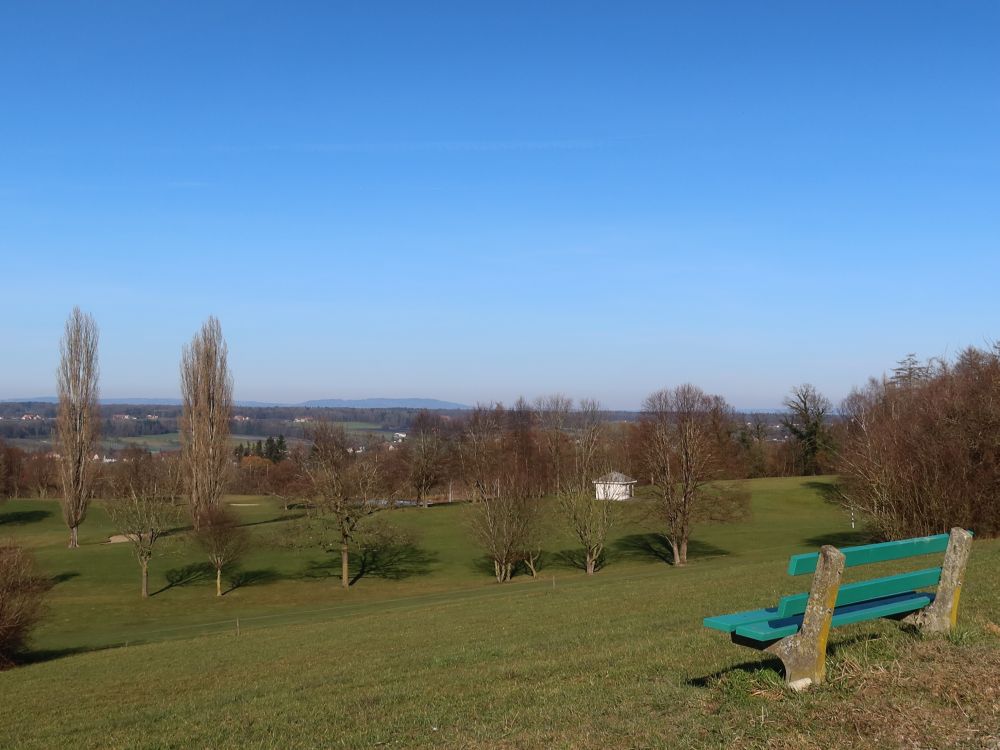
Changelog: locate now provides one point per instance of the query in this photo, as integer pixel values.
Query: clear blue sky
(471, 201)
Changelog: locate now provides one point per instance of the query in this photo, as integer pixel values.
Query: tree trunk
(218, 581)
(591, 563)
(74, 537)
(676, 552)
(345, 579)
(684, 551)
(145, 578)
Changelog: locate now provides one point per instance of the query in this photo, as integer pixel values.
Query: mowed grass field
(428, 651)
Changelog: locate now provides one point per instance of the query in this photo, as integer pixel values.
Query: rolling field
(427, 650)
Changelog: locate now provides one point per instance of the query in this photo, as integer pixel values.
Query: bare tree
(480, 450)
(806, 421)
(681, 456)
(342, 484)
(207, 393)
(554, 417)
(143, 508)
(77, 420)
(11, 464)
(21, 592)
(590, 519)
(504, 524)
(222, 538)
(589, 438)
(426, 455)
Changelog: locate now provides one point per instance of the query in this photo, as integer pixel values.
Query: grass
(440, 656)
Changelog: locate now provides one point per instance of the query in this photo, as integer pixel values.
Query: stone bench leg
(942, 614)
(804, 654)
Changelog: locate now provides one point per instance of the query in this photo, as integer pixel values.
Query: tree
(752, 439)
(426, 460)
(480, 450)
(222, 538)
(143, 508)
(77, 419)
(554, 417)
(908, 372)
(207, 396)
(341, 485)
(11, 462)
(806, 421)
(505, 523)
(681, 452)
(21, 592)
(590, 520)
(589, 439)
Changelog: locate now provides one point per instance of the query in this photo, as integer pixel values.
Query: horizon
(476, 204)
(447, 405)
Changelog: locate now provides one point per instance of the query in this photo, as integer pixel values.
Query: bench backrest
(873, 553)
(875, 588)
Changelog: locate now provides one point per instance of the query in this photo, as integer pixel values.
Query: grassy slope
(444, 657)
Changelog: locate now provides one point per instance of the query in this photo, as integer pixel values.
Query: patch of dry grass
(894, 691)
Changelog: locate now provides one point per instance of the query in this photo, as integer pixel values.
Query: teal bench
(797, 628)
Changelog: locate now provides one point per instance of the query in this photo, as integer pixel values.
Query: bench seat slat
(873, 553)
(769, 630)
(729, 623)
(876, 588)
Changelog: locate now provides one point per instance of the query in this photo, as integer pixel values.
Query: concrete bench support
(804, 654)
(942, 614)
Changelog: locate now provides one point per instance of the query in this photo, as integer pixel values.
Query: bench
(796, 629)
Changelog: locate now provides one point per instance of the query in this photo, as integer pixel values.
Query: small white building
(614, 486)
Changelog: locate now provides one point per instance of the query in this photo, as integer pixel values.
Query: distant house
(614, 486)
(152, 418)
(31, 418)
(300, 420)
(122, 417)
(398, 437)
(241, 418)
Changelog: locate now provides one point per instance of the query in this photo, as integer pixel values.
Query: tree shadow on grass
(842, 538)
(39, 656)
(240, 578)
(576, 558)
(656, 547)
(392, 562)
(395, 562)
(277, 519)
(187, 575)
(831, 492)
(63, 577)
(23, 517)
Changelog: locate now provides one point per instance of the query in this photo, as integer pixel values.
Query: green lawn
(433, 653)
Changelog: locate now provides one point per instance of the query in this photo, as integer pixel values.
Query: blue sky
(471, 201)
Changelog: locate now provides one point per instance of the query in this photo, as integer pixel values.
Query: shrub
(20, 600)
